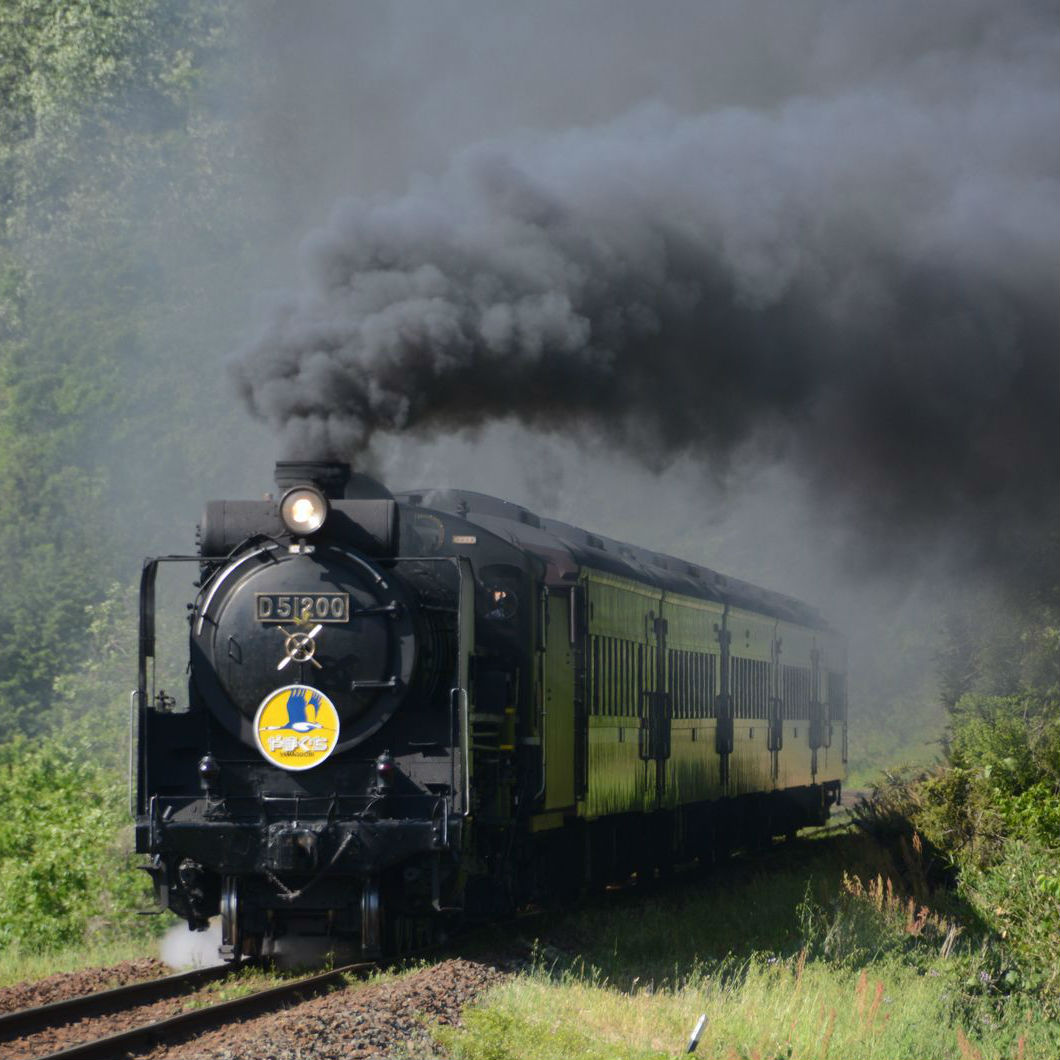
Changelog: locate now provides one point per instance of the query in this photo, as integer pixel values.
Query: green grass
(787, 1009)
(20, 966)
(785, 955)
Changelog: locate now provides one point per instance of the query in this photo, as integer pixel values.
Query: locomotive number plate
(302, 607)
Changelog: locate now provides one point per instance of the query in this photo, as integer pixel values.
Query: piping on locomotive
(405, 709)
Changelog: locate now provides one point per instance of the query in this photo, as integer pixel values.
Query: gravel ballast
(64, 985)
(362, 1021)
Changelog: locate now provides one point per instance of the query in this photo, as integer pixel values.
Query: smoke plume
(858, 283)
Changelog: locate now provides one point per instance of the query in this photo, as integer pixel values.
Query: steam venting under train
(406, 710)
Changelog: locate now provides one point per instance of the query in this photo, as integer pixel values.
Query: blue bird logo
(297, 711)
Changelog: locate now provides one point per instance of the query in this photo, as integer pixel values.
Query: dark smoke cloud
(860, 283)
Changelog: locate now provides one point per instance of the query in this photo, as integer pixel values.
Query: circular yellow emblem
(296, 727)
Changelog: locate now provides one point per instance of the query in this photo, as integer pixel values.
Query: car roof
(550, 538)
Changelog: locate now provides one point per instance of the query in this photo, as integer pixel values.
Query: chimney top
(329, 476)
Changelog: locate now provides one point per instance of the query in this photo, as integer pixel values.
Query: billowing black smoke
(863, 285)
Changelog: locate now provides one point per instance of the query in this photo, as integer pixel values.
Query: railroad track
(177, 1028)
(144, 1037)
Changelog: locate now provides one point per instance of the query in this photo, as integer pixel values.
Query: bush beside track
(67, 874)
(70, 887)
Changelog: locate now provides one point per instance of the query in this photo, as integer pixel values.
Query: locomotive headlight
(303, 510)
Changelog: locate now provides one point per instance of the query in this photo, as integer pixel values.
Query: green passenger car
(663, 710)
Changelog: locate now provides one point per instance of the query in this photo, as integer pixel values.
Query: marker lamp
(303, 510)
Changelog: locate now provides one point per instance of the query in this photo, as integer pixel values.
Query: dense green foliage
(993, 810)
(66, 867)
(108, 135)
(115, 171)
(67, 871)
(996, 810)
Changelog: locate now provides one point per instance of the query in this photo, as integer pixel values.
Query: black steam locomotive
(406, 709)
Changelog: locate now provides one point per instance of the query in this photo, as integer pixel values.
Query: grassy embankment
(831, 947)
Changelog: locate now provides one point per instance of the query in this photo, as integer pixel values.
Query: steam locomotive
(409, 709)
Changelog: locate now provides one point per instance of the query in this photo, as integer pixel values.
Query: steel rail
(55, 1013)
(177, 1028)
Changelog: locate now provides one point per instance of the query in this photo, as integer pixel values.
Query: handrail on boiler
(458, 698)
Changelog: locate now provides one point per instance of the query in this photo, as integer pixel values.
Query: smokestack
(329, 476)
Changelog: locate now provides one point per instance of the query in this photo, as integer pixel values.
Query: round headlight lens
(303, 510)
